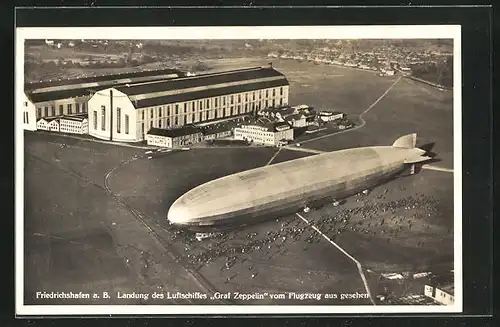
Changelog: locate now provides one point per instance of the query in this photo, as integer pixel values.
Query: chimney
(271, 64)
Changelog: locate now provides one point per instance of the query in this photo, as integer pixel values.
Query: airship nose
(177, 214)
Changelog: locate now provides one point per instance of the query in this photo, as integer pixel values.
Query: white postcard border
(260, 32)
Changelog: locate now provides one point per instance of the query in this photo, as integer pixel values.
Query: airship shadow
(433, 160)
(428, 149)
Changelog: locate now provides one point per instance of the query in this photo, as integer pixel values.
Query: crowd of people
(386, 219)
(371, 215)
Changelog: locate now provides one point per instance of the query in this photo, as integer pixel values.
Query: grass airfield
(79, 237)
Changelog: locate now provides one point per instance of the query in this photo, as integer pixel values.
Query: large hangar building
(167, 104)
(67, 97)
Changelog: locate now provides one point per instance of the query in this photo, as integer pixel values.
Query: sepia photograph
(221, 170)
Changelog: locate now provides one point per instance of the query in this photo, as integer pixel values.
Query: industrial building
(48, 124)
(74, 125)
(174, 138)
(64, 124)
(443, 294)
(67, 97)
(29, 114)
(296, 116)
(264, 133)
(328, 116)
(170, 104)
(296, 120)
(213, 134)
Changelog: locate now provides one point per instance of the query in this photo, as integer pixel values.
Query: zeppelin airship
(273, 191)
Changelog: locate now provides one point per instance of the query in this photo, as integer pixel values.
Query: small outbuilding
(48, 124)
(328, 116)
(74, 125)
(174, 138)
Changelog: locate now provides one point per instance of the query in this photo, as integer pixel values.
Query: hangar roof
(201, 80)
(188, 96)
(183, 131)
(75, 118)
(59, 95)
(48, 119)
(100, 78)
(152, 93)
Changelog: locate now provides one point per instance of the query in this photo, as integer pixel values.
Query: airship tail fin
(417, 159)
(408, 141)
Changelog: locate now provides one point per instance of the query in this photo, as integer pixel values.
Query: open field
(407, 108)
(328, 87)
(176, 173)
(77, 237)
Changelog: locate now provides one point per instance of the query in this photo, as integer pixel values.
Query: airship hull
(290, 205)
(277, 190)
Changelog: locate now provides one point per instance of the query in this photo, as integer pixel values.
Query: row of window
(207, 115)
(72, 129)
(255, 133)
(258, 138)
(79, 108)
(118, 120)
(71, 122)
(64, 122)
(191, 105)
(201, 116)
(48, 127)
(26, 118)
(158, 140)
(444, 295)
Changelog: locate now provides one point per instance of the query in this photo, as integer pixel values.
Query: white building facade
(328, 116)
(47, 124)
(213, 135)
(74, 125)
(443, 295)
(184, 101)
(174, 138)
(159, 140)
(270, 134)
(29, 114)
(297, 120)
(70, 97)
(121, 126)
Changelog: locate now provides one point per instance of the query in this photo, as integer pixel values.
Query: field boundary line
(202, 282)
(358, 264)
(74, 137)
(363, 122)
(382, 96)
(292, 148)
(436, 168)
